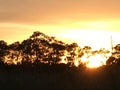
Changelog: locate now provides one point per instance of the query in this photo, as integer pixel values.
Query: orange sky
(60, 18)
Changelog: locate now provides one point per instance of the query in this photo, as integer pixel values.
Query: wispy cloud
(44, 11)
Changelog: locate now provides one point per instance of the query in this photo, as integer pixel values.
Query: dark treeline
(36, 63)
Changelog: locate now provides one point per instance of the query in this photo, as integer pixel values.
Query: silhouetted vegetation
(36, 63)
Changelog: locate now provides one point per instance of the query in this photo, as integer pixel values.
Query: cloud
(47, 11)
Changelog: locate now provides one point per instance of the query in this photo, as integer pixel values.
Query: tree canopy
(41, 48)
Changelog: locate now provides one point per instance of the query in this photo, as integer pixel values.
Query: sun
(94, 61)
(89, 59)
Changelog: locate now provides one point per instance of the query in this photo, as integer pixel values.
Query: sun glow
(95, 38)
(63, 60)
(91, 59)
(76, 62)
(95, 61)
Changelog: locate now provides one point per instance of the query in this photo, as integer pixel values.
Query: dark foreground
(105, 78)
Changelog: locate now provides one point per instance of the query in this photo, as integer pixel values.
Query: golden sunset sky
(87, 22)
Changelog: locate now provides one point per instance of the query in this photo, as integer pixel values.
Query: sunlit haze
(94, 38)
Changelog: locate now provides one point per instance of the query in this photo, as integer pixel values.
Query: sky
(81, 21)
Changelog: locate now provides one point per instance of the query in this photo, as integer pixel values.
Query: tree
(3, 50)
(115, 57)
(73, 53)
(58, 50)
(47, 49)
(111, 60)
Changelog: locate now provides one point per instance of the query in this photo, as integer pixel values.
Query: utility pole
(111, 38)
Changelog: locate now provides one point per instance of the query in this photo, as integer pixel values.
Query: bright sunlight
(95, 38)
(95, 61)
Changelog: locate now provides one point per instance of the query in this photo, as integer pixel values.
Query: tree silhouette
(58, 50)
(14, 54)
(42, 48)
(3, 50)
(115, 57)
(111, 60)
